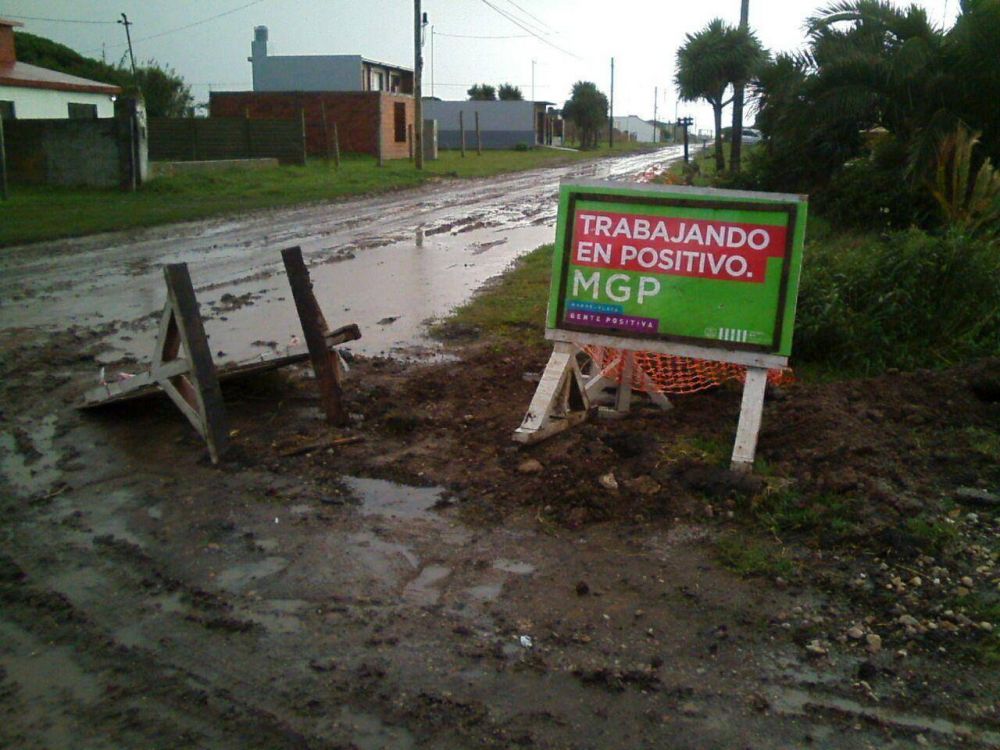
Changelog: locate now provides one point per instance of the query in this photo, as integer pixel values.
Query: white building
(323, 72)
(28, 92)
(502, 124)
(637, 129)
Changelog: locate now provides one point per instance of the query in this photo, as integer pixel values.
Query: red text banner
(700, 248)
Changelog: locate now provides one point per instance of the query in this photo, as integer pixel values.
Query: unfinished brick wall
(356, 115)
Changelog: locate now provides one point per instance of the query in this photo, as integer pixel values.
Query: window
(399, 121)
(377, 81)
(82, 111)
(6, 110)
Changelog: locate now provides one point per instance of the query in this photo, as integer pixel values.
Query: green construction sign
(715, 268)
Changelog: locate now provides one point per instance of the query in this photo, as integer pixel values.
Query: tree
(709, 62)
(482, 92)
(508, 92)
(165, 93)
(587, 108)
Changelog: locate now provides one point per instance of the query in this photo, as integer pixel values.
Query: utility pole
(533, 61)
(418, 106)
(611, 113)
(656, 100)
(128, 36)
(432, 60)
(736, 149)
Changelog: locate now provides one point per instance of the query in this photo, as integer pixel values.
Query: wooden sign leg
(751, 411)
(326, 364)
(560, 400)
(190, 381)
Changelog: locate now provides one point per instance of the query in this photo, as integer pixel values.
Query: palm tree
(709, 62)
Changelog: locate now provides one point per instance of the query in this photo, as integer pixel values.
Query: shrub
(904, 300)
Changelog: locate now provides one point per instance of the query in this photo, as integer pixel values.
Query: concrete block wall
(356, 115)
(93, 153)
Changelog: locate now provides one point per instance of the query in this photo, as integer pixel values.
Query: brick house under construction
(368, 102)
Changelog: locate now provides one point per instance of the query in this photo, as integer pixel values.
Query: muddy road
(432, 585)
(388, 263)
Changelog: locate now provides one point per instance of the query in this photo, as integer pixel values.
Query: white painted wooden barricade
(565, 395)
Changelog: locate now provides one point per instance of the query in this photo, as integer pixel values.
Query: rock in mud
(530, 466)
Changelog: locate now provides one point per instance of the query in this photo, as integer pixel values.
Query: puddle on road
(423, 590)
(487, 592)
(277, 616)
(802, 702)
(381, 498)
(238, 577)
(368, 732)
(514, 566)
(385, 561)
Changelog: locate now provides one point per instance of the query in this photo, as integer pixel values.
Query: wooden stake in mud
(191, 383)
(336, 147)
(461, 130)
(326, 364)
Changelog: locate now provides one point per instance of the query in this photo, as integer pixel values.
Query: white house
(638, 129)
(323, 72)
(28, 92)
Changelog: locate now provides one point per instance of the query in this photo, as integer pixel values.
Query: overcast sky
(552, 43)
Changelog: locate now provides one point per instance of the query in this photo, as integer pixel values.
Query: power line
(58, 20)
(514, 20)
(533, 17)
(189, 25)
(199, 23)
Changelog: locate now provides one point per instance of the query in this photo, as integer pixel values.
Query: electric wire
(517, 22)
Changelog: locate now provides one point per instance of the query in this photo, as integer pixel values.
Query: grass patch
(33, 214)
(752, 557)
(510, 308)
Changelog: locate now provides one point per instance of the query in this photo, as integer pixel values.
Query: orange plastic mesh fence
(665, 373)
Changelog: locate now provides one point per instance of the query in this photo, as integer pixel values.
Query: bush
(905, 300)
(522, 147)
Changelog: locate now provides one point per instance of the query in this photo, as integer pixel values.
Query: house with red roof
(28, 92)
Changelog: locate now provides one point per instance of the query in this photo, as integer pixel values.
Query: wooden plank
(143, 385)
(325, 365)
(623, 399)
(204, 384)
(550, 410)
(738, 357)
(751, 411)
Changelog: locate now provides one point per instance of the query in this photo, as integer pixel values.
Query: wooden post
(751, 410)
(461, 130)
(246, 132)
(325, 364)
(479, 139)
(305, 148)
(379, 128)
(3, 164)
(194, 138)
(409, 138)
(336, 147)
(326, 131)
(191, 384)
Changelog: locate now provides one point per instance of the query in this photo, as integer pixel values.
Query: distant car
(751, 136)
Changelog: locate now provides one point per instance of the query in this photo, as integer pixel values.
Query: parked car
(751, 136)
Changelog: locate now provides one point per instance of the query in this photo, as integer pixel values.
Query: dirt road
(366, 261)
(434, 586)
